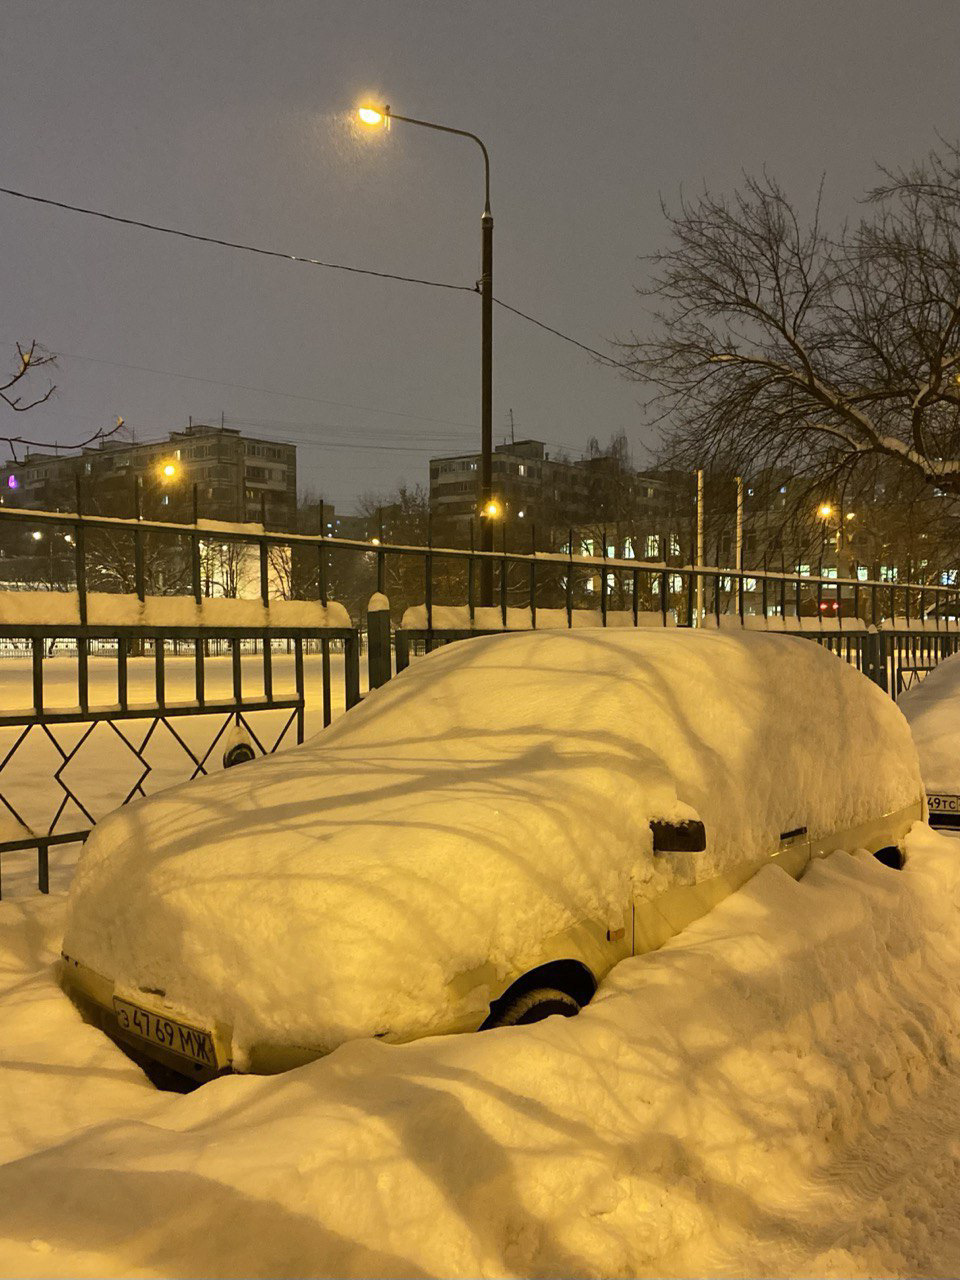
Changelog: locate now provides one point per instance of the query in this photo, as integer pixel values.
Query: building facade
(234, 477)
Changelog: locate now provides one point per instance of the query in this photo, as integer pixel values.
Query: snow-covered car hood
(492, 795)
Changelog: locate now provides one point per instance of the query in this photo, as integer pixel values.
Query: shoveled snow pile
(494, 794)
(776, 1092)
(933, 711)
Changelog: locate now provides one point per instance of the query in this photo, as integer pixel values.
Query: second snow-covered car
(477, 843)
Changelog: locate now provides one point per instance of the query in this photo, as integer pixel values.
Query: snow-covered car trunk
(391, 876)
(932, 709)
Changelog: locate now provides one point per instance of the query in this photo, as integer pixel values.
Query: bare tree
(28, 359)
(780, 345)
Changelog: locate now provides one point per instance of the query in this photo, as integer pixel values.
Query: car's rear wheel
(891, 856)
(534, 1006)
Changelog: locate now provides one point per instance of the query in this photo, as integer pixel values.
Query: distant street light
(491, 510)
(374, 116)
(824, 511)
(168, 471)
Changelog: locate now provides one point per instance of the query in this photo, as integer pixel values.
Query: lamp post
(373, 116)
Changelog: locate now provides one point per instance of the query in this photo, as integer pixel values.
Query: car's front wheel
(534, 1006)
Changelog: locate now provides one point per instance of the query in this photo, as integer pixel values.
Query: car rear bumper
(93, 996)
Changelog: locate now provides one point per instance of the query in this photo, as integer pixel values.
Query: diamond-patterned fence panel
(107, 730)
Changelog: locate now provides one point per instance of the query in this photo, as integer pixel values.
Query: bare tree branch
(28, 359)
(778, 345)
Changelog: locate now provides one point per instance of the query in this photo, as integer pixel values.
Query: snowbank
(493, 795)
(106, 609)
(932, 709)
(776, 1093)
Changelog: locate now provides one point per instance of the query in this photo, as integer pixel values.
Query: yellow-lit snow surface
(777, 1092)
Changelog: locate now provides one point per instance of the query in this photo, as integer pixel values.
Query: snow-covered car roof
(494, 793)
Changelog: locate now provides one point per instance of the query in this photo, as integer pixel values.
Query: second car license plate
(177, 1037)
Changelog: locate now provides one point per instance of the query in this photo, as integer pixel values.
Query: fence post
(875, 659)
(378, 640)
(351, 669)
(568, 586)
(403, 650)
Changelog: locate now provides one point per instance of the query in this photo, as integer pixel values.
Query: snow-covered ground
(775, 1092)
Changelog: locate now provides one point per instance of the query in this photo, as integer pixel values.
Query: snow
(932, 708)
(776, 1092)
(107, 609)
(378, 603)
(39, 608)
(490, 618)
(755, 622)
(491, 796)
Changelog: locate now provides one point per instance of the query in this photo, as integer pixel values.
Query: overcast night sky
(236, 120)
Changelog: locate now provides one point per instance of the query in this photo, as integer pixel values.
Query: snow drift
(776, 1092)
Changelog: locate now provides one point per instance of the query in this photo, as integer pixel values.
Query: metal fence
(894, 632)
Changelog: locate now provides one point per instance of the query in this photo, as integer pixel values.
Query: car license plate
(943, 809)
(157, 1028)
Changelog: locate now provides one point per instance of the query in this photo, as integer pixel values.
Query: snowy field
(775, 1092)
(104, 770)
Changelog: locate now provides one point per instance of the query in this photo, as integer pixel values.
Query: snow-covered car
(477, 843)
(932, 708)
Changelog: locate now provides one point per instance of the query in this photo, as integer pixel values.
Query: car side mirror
(688, 836)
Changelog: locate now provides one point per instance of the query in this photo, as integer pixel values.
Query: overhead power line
(313, 262)
(233, 244)
(619, 364)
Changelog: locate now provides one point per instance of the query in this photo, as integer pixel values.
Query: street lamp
(375, 116)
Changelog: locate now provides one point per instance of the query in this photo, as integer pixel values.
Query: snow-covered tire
(891, 856)
(534, 1006)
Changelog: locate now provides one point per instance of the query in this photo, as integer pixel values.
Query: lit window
(652, 546)
(862, 572)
